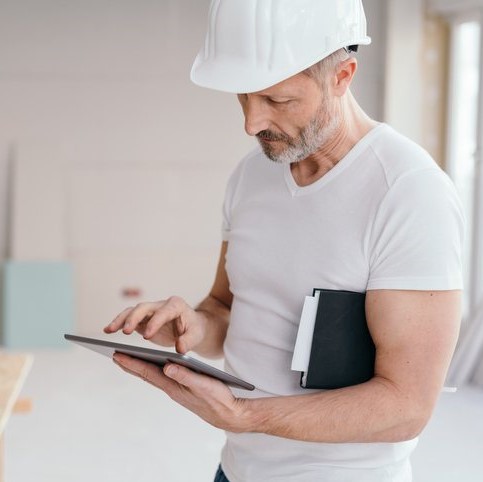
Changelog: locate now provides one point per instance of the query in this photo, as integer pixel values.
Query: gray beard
(311, 138)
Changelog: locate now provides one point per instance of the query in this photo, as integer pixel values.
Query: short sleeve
(417, 237)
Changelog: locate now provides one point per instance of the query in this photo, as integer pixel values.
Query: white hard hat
(254, 44)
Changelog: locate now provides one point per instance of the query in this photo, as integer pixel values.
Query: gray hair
(324, 67)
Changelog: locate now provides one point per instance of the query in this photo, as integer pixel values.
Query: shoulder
(398, 157)
(415, 184)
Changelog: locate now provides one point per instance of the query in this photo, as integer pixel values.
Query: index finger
(170, 310)
(118, 321)
(139, 314)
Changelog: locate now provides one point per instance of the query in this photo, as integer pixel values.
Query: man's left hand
(208, 398)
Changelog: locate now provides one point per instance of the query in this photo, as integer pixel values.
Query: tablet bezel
(159, 358)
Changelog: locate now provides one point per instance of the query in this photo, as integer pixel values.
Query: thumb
(186, 342)
(184, 376)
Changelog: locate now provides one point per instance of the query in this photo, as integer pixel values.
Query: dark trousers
(220, 476)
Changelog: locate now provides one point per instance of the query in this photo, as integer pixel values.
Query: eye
(279, 101)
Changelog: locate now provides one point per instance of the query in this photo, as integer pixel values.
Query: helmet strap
(351, 48)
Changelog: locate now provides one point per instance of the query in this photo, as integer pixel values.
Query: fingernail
(171, 370)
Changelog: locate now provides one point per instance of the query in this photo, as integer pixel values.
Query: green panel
(38, 303)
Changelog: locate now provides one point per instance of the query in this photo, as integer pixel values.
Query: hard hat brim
(228, 75)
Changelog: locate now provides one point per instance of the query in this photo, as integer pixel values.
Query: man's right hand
(170, 322)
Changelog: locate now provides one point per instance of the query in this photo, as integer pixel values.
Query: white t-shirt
(385, 217)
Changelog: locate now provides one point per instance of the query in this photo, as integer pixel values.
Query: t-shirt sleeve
(417, 237)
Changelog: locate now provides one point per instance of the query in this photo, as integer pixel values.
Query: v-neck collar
(345, 162)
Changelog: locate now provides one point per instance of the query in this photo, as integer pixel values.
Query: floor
(92, 422)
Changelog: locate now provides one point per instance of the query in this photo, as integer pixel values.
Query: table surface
(13, 371)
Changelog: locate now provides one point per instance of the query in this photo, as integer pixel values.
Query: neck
(354, 125)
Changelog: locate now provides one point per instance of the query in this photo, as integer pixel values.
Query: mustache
(267, 135)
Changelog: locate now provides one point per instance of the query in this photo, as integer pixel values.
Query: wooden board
(13, 371)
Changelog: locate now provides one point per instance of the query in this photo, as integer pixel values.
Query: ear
(344, 75)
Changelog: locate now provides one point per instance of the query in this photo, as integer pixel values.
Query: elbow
(411, 412)
(411, 424)
(411, 430)
(402, 432)
(410, 415)
(419, 414)
(420, 421)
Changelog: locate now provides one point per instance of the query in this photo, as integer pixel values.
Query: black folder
(342, 352)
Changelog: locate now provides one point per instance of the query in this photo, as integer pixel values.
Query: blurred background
(112, 174)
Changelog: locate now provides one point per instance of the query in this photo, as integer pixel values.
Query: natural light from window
(463, 127)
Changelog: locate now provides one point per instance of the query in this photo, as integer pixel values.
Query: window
(463, 132)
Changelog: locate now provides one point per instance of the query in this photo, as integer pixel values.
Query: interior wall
(98, 114)
(370, 83)
(108, 81)
(98, 93)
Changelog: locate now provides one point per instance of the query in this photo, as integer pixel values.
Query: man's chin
(287, 156)
(272, 156)
(282, 160)
(270, 153)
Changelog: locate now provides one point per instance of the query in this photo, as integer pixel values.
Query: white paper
(449, 389)
(303, 345)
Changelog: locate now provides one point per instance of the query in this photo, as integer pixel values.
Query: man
(346, 204)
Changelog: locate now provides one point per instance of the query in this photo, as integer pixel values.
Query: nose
(256, 115)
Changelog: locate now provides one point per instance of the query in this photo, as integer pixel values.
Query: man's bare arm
(216, 310)
(415, 335)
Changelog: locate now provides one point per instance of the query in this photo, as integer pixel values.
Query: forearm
(375, 411)
(215, 317)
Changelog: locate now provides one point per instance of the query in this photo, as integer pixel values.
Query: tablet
(158, 357)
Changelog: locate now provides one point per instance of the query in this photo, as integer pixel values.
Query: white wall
(97, 92)
(107, 81)
(370, 84)
(102, 88)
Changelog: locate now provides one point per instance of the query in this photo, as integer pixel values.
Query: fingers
(195, 382)
(210, 399)
(151, 373)
(168, 312)
(141, 313)
(118, 321)
(149, 318)
(171, 379)
(131, 318)
(182, 375)
(146, 371)
(187, 341)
